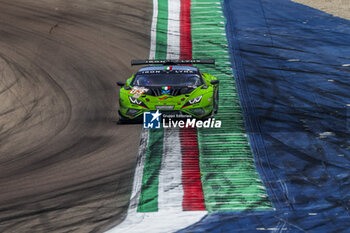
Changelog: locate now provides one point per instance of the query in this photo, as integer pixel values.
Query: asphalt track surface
(65, 166)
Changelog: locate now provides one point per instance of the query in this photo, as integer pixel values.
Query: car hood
(170, 99)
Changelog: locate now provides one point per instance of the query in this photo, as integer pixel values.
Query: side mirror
(214, 82)
(121, 84)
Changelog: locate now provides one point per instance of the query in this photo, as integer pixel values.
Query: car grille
(157, 91)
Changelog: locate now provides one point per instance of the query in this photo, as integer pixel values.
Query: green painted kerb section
(162, 30)
(229, 178)
(148, 201)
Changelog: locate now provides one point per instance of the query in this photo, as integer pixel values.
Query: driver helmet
(143, 81)
(192, 80)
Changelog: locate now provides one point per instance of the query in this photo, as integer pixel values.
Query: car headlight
(193, 101)
(196, 100)
(137, 102)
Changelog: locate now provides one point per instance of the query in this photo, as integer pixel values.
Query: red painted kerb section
(193, 193)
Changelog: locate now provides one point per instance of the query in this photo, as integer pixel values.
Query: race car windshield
(180, 80)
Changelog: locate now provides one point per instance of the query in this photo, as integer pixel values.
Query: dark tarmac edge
(65, 166)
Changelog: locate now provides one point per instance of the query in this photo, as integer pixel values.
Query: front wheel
(122, 120)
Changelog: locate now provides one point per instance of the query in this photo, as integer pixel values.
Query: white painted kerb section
(170, 217)
(173, 36)
(170, 190)
(152, 52)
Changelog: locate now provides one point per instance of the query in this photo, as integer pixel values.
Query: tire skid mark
(32, 117)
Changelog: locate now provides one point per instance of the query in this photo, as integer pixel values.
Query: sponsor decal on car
(166, 90)
(165, 97)
(138, 91)
(168, 107)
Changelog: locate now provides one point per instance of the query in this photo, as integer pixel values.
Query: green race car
(169, 86)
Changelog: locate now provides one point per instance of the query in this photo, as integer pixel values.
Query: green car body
(200, 101)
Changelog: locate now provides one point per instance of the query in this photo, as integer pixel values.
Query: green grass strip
(148, 201)
(229, 177)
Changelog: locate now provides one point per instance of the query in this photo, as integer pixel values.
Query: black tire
(123, 120)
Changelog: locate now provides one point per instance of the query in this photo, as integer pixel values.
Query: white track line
(131, 217)
(170, 190)
(173, 43)
(136, 190)
(152, 53)
(159, 222)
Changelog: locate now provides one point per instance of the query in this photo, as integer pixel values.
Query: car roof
(176, 67)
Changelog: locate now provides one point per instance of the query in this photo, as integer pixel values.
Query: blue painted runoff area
(292, 69)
